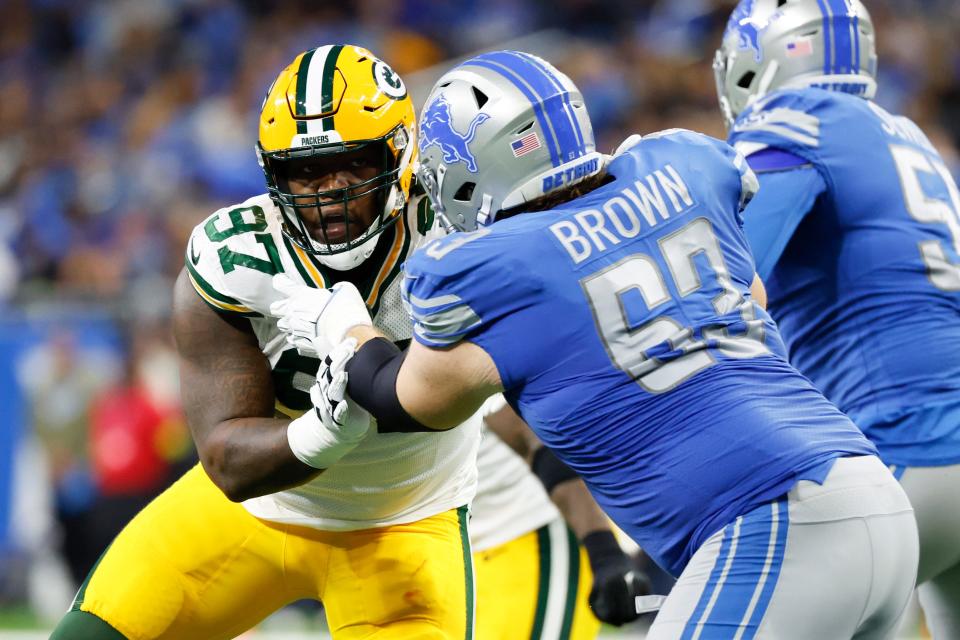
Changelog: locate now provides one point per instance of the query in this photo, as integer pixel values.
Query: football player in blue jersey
(857, 236)
(610, 300)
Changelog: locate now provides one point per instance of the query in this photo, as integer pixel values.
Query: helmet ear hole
(465, 192)
(480, 97)
(780, 3)
(746, 80)
(525, 127)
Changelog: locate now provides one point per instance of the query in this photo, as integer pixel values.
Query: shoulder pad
(232, 256)
(785, 119)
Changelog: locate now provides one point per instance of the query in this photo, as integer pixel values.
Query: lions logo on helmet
(338, 101)
(749, 27)
(436, 128)
(774, 44)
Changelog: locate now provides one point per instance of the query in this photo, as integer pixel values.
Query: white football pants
(825, 562)
(935, 495)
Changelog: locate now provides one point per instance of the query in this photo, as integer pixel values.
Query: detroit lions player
(856, 233)
(612, 303)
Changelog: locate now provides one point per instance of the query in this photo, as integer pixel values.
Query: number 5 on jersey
(913, 165)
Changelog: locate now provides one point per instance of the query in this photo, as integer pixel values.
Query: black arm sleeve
(372, 383)
(550, 469)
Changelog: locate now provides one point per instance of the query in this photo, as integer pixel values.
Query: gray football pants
(827, 562)
(935, 495)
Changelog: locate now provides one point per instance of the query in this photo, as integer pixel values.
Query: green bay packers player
(377, 529)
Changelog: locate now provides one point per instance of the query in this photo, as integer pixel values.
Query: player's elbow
(216, 463)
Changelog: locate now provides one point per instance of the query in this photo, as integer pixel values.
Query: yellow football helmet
(332, 100)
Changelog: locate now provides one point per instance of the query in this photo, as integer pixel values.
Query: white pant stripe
(559, 578)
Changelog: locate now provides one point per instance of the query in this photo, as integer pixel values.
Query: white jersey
(510, 501)
(389, 478)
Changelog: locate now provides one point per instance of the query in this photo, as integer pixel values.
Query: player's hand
(337, 424)
(617, 582)
(329, 395)
(316, 320)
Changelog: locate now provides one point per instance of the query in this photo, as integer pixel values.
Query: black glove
(617, 582)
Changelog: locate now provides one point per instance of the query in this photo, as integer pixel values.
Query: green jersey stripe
(395, 271)
(208, 289)
(296, 261)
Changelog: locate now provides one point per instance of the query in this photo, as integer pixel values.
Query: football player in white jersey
(377, 530)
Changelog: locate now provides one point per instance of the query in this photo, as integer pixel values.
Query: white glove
(336, 425)
(317, 319)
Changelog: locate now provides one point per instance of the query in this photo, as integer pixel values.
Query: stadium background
(123, 123)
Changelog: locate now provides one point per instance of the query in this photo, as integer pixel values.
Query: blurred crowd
(123, 123)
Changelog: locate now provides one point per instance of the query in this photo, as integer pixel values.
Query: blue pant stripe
(753, 549)
(566, 99)
(537, 107)
(552, 99)
(842, 36)
(827, 44)
(712, 581)
(783, 524)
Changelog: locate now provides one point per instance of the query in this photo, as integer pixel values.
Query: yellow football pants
(193, 564)
(535, 586)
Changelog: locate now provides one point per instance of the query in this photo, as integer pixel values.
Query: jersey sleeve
(791, 121)
(230, 260)
(453, 288)
(784, 199)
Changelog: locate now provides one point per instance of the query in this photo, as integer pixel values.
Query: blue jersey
(623, 330)
(856, 233)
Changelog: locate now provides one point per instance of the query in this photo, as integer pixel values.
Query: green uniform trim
(296, 261)
(462, 515)
(573, 582)
(301, 104)
(326, 88)
(543, 588)
(83, 625)
(208, 289)
(425, 216)
(78, 599)
(395, 271)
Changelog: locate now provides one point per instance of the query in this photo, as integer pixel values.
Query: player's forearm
(250, 457)
(363, 333)
(579, 509)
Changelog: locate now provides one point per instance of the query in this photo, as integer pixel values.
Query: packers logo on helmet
(338, 106)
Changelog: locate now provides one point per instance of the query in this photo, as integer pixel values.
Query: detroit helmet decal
(748, 27)
(436, 128)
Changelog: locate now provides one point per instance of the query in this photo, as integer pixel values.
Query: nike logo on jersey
(194, 254)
